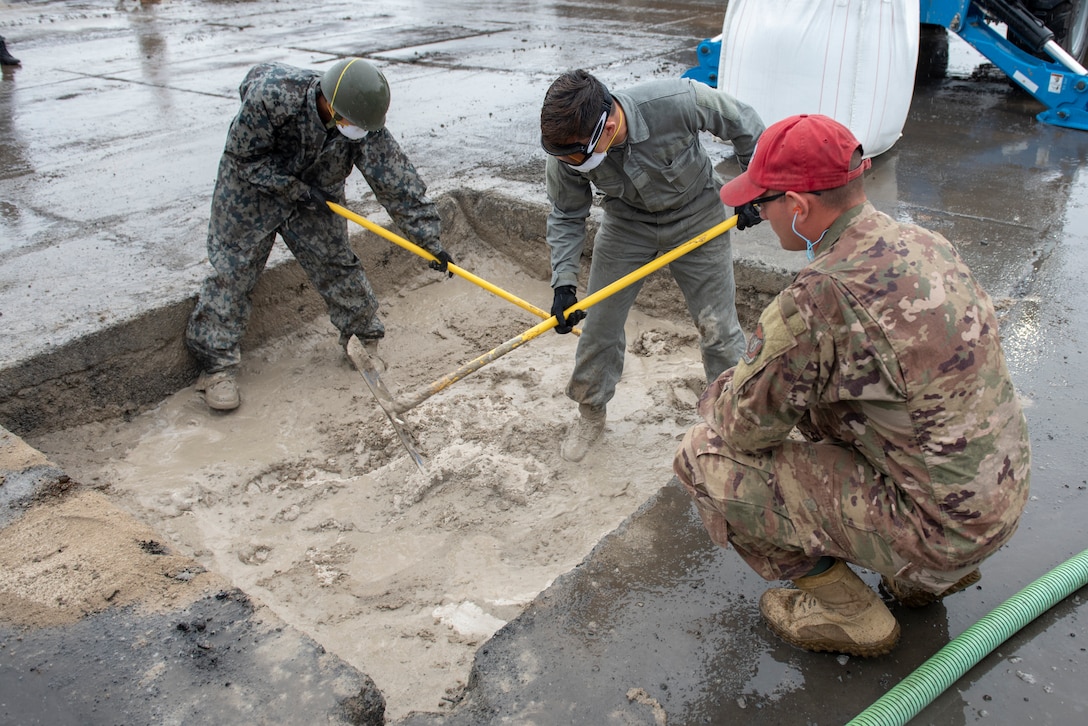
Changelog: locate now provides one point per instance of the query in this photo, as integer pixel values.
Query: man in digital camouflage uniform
(641, 149)
(295, 139)
(884, 355)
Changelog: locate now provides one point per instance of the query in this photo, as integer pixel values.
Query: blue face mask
(810, 245)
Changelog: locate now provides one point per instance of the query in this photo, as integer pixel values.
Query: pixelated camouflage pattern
(277, 148)
(884, 354)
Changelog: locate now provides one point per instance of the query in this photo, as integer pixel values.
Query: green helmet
(358, 92)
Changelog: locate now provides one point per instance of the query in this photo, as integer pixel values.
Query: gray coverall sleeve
(728, 119)
(401, 190)
(571, 198)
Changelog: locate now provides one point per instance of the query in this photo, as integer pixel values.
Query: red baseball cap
(805, 153)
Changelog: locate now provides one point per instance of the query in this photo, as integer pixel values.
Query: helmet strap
(331, 123)
(336, 89)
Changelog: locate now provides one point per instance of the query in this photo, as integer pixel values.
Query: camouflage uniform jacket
(278, 147)
(886, 344)
(661, 172)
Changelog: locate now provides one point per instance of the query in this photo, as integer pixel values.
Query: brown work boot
(912, 596)
(220, 389)
(833, 611)
(583, 432)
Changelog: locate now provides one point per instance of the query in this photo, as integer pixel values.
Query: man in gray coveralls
(641, 149)
(295, 139)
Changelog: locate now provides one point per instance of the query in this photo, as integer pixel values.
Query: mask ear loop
(810, 245)
(594, 160)
(617, 132)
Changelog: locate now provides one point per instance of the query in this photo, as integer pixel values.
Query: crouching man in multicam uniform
(913, 457)
(295, 139)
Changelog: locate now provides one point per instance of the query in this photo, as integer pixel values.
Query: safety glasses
(760, 201)
(583, 149)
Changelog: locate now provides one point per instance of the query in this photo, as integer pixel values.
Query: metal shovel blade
(365, 365)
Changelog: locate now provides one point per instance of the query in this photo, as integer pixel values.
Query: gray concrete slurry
(109, 136)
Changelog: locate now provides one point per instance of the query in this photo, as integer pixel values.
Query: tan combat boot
(220, 390)
(912, 596)
(587, 429)
(833, 611)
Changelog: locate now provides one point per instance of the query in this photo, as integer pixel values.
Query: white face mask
(352, 132)
(592, 162)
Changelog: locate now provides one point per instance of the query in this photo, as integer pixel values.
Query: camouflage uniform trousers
(785, 509)
(319, 242)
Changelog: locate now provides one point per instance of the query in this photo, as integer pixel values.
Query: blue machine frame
(1063, 91)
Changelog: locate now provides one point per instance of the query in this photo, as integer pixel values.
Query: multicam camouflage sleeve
(886, 346)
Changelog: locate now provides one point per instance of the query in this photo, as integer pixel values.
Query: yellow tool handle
(474, 365)
(460, 272)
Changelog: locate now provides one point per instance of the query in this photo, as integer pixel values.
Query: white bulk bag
(852, 60)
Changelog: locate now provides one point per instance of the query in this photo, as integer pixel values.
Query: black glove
(564, 298)
(442, 264)
(747, 216)
(315, 200)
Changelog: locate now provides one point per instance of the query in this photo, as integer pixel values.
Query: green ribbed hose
(930, 679)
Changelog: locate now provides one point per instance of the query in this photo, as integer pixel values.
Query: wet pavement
(110, 133)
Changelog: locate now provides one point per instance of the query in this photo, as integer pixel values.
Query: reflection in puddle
(772, 681)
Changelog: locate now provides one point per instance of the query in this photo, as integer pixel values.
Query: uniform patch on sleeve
(773, 336)
(755, 345)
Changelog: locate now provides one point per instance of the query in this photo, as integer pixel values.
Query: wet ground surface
(110, 667)
(109, 137)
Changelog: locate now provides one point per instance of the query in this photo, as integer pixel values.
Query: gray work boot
(583, 432)
(912, 596)
(833, 611)
(6, 58)
(220, 389)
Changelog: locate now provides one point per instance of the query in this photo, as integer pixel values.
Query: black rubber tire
(1069, 22)
(932, 53)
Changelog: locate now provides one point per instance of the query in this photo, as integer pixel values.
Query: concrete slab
(109, 137)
